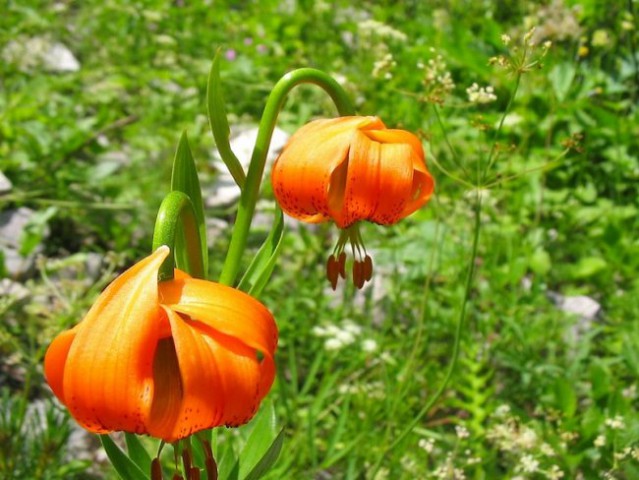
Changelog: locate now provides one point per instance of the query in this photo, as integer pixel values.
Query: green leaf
(566, 397)
(185, 179)
(259, 440)
(137, 452)
(269, 458)
(126, 468)
(561, 77)
(588, 267)
(540, 262)
(262, 265)
(35, 230)
(219, 123)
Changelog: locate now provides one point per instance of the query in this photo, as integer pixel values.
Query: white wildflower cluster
(374, 390)
(426, 444)
(530, 454)
(372, 28)
(448, 470)
(383, 67)
(554, 21)
(437, 80)
(528, 464)
(600, 441)
(524, 57)
(616, 423)
(477, 94)
(337, 337)
(461, 432)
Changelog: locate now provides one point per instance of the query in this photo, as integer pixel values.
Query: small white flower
(462, 432)
(505, 38)
(369, 345)
(426, 444)
(615, 423)
(480, 95)
(600, 441)
(555, 473)
(529, 464)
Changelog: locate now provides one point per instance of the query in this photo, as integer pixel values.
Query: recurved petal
(379, 181)
(107, 380)
(225, 309)
(422, 185)
(55, 360)
(303, 174)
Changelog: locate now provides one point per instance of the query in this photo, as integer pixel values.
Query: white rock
(580, 305)
(58, 58)
(5, 184)
(225, 191)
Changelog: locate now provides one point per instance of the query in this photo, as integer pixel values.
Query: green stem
(250, 190)
(491, 154)
(177, 211)
(457, 342)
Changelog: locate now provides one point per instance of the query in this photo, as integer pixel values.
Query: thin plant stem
(461, 321)
(177, 210)
(447, 140)
(491, 154)
(250, 190)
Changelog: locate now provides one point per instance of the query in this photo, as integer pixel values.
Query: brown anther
(358, 274)
(332, 271)
(186, 461)
(194, 473)
(177, 476)
(156, 469)
(368, 268)
(211, 468)
(341, 261)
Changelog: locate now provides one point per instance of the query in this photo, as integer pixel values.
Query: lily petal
(302, 174)
(107, 379)
(189, 395)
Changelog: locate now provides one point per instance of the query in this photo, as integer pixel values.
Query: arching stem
(251, 187)
(176, 211)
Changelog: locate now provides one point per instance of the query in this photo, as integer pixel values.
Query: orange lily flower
(351, 169)
(166, 359)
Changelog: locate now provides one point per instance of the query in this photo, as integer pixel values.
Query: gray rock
(582, 306)
(5, 184)
(9, 288)
(12, 224)
(15, 264)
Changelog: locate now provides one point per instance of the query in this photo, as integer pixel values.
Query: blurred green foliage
(538, 391)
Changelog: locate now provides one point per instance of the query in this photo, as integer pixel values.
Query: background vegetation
(540, 392)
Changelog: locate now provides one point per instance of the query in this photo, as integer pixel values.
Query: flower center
(362, 262)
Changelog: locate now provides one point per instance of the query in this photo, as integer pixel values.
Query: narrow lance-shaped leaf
(124, 466)
(219, 123)
(137, 452)
(261, 437)
(259, 271)
(269, 458)
(185, 179)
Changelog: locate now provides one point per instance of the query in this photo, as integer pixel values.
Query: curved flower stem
(177, 210)
(457, 342)
(250, 190)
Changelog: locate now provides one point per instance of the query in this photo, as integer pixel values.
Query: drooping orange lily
(351, 169)
(165, 359)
